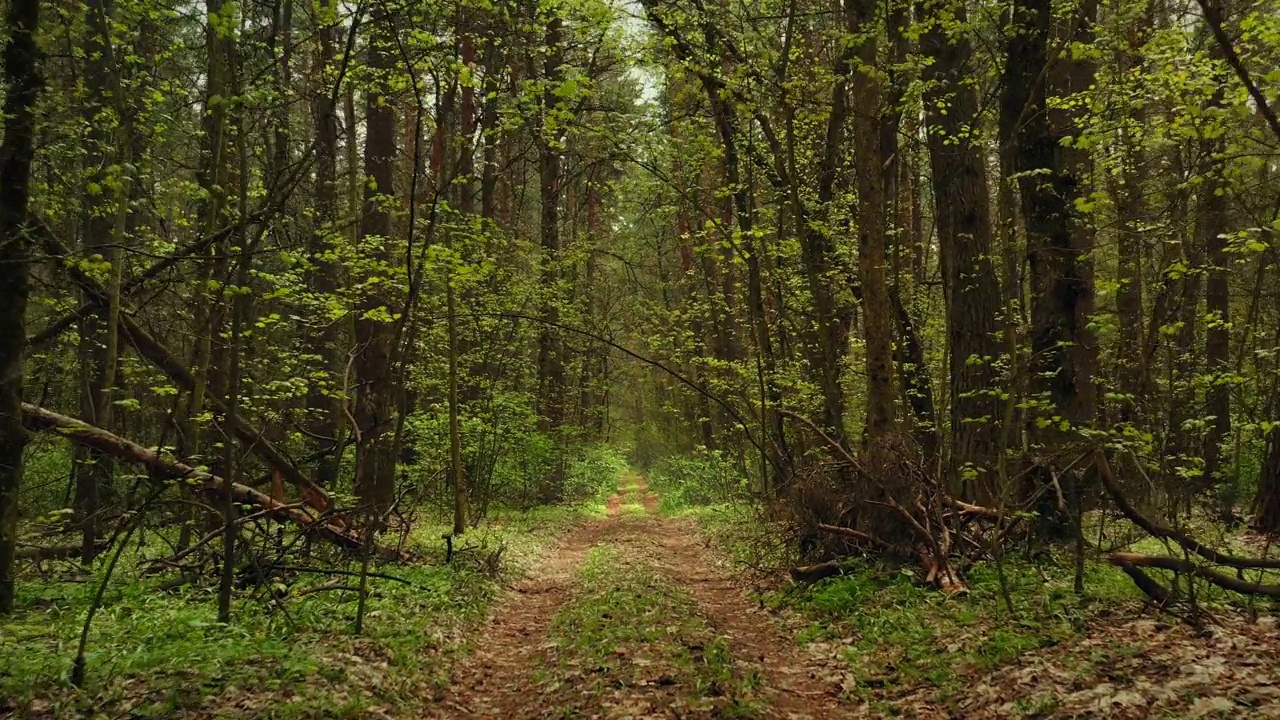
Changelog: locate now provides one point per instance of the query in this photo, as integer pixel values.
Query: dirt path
(792, 684)
(507, 676)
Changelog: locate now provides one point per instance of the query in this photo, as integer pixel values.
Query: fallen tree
(1184, 540)
(1132, 563)
(40, 553)
(36, 418)
(177, 371)
(1187, 567)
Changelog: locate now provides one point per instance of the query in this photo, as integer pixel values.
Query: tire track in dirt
(792, 683)
(498, 679)
(494, 681)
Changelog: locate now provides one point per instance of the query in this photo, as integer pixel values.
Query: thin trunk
(465, 203)
(230, 448)
(917, 385)
(325, 341)
(1211, 226)
(213, 176)
(872, 168)
(1131, 218)
(98, 337)
(550, 343)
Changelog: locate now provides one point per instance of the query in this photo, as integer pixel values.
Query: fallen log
(814, 573)
(39, 419)
(153, 350)
(1244, 587)
(1167, 533)
(1154, 590)
(56, 552)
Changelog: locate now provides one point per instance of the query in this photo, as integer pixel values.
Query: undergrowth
(902, 633)
(290, 652)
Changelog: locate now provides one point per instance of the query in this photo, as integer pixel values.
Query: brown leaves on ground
(1131, 669)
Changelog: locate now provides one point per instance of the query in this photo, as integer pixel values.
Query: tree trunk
(1211, 226)
(124, 450)
(1266, 510)
(551, 382)
(213, 179)
(465, 204)
(1131, 223)
(375, 397)
(963, 219)
(98, 334)
(325, 335)
(22, 86)
(1050, 178)
(872, 169)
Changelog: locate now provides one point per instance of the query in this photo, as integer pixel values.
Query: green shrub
(707, 477)
(592, 472)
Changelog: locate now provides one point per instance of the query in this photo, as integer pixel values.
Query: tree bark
(375, 400)
(963, 218)
(99, 241)
(1050, 179)
(1211, 226)
(551, 378)
(872, 220)
(1131, 221)
(23, 82)
(325, 335)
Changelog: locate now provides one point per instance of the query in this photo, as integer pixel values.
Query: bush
(706, 477)
(593, 472)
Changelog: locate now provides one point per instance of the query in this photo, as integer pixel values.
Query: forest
(640, 359)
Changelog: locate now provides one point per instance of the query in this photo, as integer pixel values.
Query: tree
(963, 216)
(375, 396)
(22, 87)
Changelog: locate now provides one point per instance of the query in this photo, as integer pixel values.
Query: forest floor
(638, 607)
(637, 615)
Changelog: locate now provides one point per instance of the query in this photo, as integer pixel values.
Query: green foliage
(46, 478)
(707, 477)
(901, 632)
(593, 472)
(162, 654)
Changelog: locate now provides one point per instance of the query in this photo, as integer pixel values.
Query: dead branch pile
(885, 501)
(893, 505)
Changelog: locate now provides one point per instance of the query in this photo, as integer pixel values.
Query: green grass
(162, 654)
(630, 628)
(902, 633)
